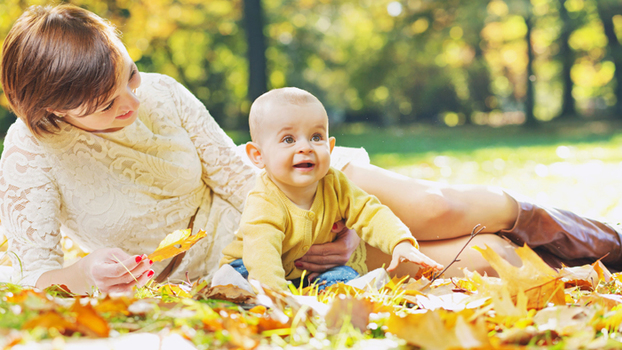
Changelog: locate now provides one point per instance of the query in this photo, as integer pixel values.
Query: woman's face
(120, 110)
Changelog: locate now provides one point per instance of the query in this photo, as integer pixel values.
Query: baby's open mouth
(304, 165)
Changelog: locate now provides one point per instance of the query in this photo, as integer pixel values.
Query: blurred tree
(388, 62)
(256, 52)
(567, 57)
(530, 103)
(608, 10)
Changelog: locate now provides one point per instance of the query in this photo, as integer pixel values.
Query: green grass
(572, 165)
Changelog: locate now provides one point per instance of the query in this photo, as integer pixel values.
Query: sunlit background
(522, 94)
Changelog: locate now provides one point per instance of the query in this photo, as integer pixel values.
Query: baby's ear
(254, 154)
(331, 141)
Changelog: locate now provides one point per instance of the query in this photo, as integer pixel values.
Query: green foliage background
(382, 61)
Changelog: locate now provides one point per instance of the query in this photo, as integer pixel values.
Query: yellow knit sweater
(274, 232)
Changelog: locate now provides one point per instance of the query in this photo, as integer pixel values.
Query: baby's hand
(406, 251)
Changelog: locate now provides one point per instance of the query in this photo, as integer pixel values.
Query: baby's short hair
(291, 95)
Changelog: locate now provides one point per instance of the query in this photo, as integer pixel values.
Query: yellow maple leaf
(540, 283)
(175, 243)
(435, 330)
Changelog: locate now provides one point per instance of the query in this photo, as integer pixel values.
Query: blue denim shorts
(338, 274)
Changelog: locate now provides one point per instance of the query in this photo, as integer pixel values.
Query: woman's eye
(288, 139)
(316, 138)
(109, 106)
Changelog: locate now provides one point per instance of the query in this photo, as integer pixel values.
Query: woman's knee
(435, 207)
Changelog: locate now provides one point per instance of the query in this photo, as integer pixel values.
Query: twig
(477, 229)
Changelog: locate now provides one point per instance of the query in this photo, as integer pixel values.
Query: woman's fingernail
(334, 226)
(150, 273)
(139, 259)
(298, 264)
(150, 262)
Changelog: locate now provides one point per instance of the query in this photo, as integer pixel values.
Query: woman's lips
(126, 115)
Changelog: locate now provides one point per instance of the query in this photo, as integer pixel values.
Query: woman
(118, 159)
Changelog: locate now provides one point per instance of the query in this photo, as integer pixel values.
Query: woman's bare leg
(433, 210)
(445, 251)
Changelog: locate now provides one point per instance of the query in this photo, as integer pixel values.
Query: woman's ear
(331, 142)
(254, 154)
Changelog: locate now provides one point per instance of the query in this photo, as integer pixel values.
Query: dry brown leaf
(228, 292)
(540, 282)
(176, 243)
(585, 277)
(342, 307)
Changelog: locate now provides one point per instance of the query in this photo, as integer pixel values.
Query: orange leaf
(23, 295)
(176, 243)
(51, 320)
(114, 306)
(88, 321)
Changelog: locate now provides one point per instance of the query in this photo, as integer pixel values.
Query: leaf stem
(477, 229)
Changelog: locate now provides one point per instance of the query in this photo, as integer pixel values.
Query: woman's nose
(131, 99)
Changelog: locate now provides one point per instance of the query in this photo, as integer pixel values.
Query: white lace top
(125, 189)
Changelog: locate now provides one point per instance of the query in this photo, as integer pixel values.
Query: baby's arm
(406, 251)
(263, 229)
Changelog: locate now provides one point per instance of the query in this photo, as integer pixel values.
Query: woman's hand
(322, 257)
(111, 270)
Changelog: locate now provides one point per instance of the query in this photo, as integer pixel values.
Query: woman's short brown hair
(58, 58)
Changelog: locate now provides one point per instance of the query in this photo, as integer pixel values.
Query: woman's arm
(30, 212)
(321, 257)
(224, 171)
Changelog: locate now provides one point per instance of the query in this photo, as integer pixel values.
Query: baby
(299, 197)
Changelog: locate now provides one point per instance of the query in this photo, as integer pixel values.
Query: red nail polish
(139, 259)
(150, 273)
(298, 264)
(334, 226)
(150, 262)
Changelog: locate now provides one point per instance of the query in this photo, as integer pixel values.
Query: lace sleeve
(29, 207)
(224, 171)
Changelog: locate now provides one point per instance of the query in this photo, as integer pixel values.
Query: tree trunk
(254, 23)
(606, 11)
(566, 55)
(530, 119)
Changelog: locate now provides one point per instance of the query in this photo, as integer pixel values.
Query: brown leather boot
(562, 237)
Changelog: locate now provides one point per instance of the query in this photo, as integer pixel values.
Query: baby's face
(294, 144)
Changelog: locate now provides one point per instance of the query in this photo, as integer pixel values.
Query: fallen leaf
(176, 243)
(88, 321)
(540, 282)
(228, 292)
(51, 320)
(429, 331)
(174, 290)
(354, 310)
(114, 306)
(59, 290)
